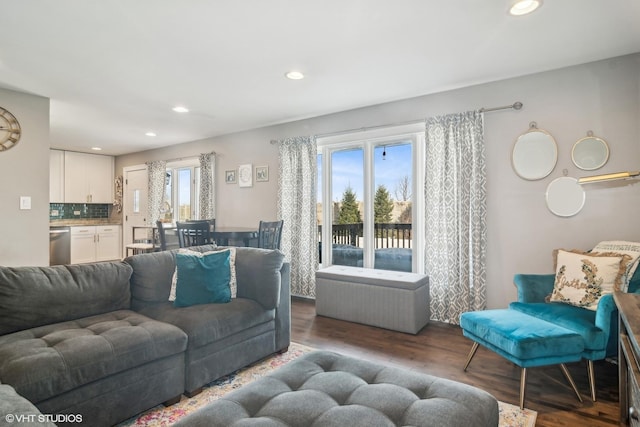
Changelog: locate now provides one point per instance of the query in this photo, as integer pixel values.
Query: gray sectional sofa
(101, 341)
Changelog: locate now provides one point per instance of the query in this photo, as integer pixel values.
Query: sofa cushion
(152, 274)
(35, 296)
(232, 270)
(626, 248)
(568, 316)
(583, 278)
(207, 323)
(50, 360)
(202, 278)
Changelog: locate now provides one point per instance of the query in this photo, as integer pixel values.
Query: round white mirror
(565, 197)
(590, 153)
(535, 154)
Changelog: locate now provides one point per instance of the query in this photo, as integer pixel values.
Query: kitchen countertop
(83, 222)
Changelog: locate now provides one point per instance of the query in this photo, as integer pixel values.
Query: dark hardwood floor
(441, 350)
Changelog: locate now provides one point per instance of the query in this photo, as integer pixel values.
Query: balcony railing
(387, 235)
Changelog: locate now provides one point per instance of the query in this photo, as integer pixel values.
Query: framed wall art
(262, 173)
(245, 175)
(230, 176)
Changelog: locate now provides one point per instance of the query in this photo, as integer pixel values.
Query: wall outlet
(76, 213)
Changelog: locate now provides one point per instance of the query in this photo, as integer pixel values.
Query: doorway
(134, 205)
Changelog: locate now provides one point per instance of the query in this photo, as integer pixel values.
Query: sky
(348, 170)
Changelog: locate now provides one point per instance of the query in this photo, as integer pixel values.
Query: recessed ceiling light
(96, 148)
(150, 133)
(294, 75)
(180, 109)
(523, 7)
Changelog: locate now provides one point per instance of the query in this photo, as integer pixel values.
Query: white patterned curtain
(297, 207)
(207, 186)
(157, 173)
(455, 208)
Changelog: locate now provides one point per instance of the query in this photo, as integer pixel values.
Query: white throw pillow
(583, 278)
(622, 247)
(232, 271)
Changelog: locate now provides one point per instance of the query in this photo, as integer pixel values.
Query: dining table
(221, 235)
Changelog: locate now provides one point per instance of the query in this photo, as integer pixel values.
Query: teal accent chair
(599, 328)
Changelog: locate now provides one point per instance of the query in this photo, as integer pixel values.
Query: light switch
(25, 202)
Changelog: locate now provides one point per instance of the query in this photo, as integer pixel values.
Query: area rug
(160, 416)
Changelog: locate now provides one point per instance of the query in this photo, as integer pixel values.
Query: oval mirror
(535, 154)
(590, 153)
(565, 197)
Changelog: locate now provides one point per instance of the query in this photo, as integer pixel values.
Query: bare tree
(403, 189)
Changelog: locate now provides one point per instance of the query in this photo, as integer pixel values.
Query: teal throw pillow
(202, 279)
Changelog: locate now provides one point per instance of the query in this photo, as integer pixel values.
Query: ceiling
(114, 69)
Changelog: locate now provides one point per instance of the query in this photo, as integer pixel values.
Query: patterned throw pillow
(232, 271)
(583, 278)
(622, 247)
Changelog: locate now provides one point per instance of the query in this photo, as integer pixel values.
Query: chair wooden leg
(523, 382)
(592, 379)
(566, 373)
(472, 353)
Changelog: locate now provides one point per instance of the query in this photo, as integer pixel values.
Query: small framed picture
(230, 176)
(262, 173)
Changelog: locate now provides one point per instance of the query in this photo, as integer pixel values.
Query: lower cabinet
(95, 243)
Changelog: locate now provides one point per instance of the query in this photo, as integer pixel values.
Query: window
(370, 195)
(182, 192)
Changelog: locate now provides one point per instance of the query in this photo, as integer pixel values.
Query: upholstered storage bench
(388, 299)
(328, 389)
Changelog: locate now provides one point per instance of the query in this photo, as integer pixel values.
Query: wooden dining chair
(193, 233)
(269, 234)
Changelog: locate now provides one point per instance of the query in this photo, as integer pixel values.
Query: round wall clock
(9, 130)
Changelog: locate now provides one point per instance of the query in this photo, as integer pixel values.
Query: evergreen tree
(382, 205)
(349, 212)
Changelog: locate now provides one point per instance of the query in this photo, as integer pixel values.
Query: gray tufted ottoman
(327, 389)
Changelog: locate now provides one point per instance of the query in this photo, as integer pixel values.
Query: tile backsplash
(78, 210)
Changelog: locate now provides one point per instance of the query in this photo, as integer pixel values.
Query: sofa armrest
(258, 275)
(15, 410)
(533, 287)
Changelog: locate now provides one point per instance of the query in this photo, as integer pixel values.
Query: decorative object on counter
(262, 173)
(10, 130)
(245, 175)
(608, 177)
(565, 197)
(590, 153)
(230, 176)
(535, 154)
(117, 203)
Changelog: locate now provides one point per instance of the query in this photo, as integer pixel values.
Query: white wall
(603, 97)
(24, 171)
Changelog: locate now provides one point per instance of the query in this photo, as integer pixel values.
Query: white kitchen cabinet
(95, 243)
(108, 245)
(56, 176)
(88, 178)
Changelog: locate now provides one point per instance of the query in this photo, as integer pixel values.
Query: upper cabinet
(56, 176)
(88, 178)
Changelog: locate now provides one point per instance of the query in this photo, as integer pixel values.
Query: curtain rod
(515, 106)
(195, 156)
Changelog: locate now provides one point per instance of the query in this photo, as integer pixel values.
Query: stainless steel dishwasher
(59, 245)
